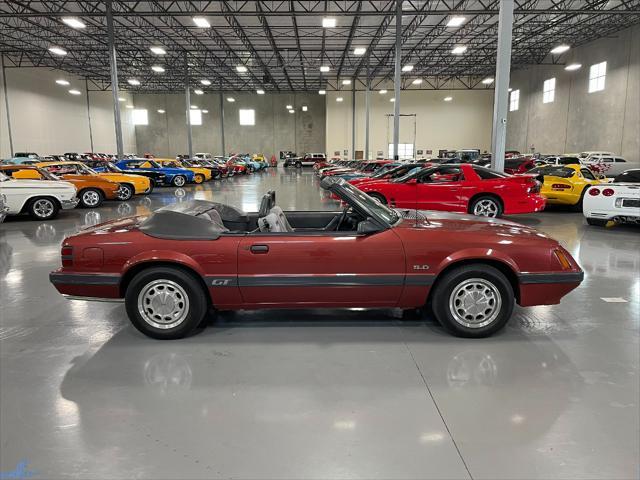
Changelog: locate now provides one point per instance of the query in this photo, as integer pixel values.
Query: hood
(39, 184)
(469, 224)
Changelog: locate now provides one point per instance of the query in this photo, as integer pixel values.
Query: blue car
(177, 177)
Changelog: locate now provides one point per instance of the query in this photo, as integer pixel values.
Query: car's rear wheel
(43, 208)
(473, 301)
(165, 303)
(298, 164)
(486, 206)
(91, 198)
(125, 192)
(198, 178)
(597, 222)
(178, 181)
(378, 196)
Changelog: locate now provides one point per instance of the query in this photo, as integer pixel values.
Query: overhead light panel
(392, 99)
(73, 22)
(194, 107)
(339, 99)
(231, 99)
(322, 92)
(459, 50)
(58, 51)
(324, 68)
(407, 68)
(201, 22)
(456, 21)
(205, 111)
(241, 68)
(289, 107)
(129, 106)
(292, 111)
(560, 49)
(346, 82)
(63, 82)
(260, 91)
(133, 81)
(197, 91)
(417, 81)
(359, 50)
(158, 50)
(487, 81)
(448, 99)
(157, 68)
(573, 66)
(304, 108)
(382, 92)
(205, 82)
(328, 22)
(121, 99)
(160, 110)
(75, 92)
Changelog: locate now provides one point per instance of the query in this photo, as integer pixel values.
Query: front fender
(478, 254)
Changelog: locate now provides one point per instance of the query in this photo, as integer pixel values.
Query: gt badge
(220, 282)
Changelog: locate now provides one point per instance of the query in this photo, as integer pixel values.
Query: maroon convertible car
(172, 266)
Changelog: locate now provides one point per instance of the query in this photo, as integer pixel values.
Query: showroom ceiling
(283, 44)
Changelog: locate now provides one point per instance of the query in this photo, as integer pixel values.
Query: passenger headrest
(267, 203)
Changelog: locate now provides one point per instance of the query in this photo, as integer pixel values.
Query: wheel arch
(33, 198)
(484, 194)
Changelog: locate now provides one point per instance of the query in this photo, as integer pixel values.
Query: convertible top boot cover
(185, 221)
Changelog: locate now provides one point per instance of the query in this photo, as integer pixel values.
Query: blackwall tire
(165, 303)
(473, 301)
(298, 165)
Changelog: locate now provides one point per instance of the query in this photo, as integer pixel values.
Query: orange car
(92, 189)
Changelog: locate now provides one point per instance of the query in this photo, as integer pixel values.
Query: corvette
(170, 268)
(463, 188)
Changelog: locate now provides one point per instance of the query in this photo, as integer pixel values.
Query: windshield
(112, 168)
(47, 175)
(370, 204)
(561, 172)
(409, 175)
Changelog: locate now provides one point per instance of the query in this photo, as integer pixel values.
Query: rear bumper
(547, 288)
(530, 204)
(94, 285)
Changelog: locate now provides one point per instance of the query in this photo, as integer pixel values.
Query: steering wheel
(343, 217)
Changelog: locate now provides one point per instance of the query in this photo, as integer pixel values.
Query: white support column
(396, 80)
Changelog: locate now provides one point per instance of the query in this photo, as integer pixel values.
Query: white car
(202, 156)
(608, 165)
(586, 155)
(42, 199)
(617, 202)
(3, 207)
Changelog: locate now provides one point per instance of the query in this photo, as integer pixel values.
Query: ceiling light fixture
(241, 68)
(197, 91)
(205, 82)
(304, 108)
(205, 111)
(292, 111)
(322, 92)
(194, 107)
(75, 92)
(359, 51)
(328, 22)
(201, 22)
(392, 99)
(324, 68)
(260, 91)
(121, 99)
(407, 68)
(346, 82)
(417, 81)
(231, 99)
(459, 50)
(160, 110)
(133, 81)
(560, 49)
(289, 107)
(158, 69)
(62, 82)
(487, 81)
(382, 92)
(158, 50)
(339, 99)
(573, 66)
(456, 21)
(448, 99)
(129, 106)
(58, 51)
(73, 22)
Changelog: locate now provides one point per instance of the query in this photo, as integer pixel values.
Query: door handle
(259, 248)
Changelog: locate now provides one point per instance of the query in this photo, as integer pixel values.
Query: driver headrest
(267, 203)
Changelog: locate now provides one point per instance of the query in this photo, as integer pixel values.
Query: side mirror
(412, 181)
(368, 226)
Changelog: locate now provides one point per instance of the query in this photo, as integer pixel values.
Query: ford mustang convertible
(175, 265)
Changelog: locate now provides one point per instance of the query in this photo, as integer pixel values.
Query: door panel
(321, 270)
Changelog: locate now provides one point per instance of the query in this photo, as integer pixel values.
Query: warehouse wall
(577, 120)
(45, 118)
(465, 122)
(275, 128)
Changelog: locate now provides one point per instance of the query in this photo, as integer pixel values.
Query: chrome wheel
(43, 208)
(475, 303)
(163, 304)
(179, 181)
(125, 192)
(486, 208)
(91, 198)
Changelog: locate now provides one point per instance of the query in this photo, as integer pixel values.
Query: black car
(157, 178)
(628, 176)
(216, 171)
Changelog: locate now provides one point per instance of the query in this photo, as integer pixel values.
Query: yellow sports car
(129, 184)
(200, 174)
(565, 184)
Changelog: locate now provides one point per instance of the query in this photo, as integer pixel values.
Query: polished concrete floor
(317, 394)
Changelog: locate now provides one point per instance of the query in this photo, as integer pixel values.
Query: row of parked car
(42, 186)
(449, 185)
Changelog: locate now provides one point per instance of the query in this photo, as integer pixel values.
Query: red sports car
(173, 266)
(518, 165)
(463, 188)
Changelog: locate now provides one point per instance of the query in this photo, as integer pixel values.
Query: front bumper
(547, 288)
(69, 204)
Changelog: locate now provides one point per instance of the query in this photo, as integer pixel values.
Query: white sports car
(618, 202)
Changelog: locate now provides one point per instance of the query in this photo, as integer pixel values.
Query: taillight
(67, 256)
(594, 192)
(562, 259)
(607, 192)
(560, 185)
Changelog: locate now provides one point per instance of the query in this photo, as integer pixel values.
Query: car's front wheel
(165, 303)
(125, 192)
(473, 300)
(198, 178)
(298, 164)
(91, 198)
(178, 181)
